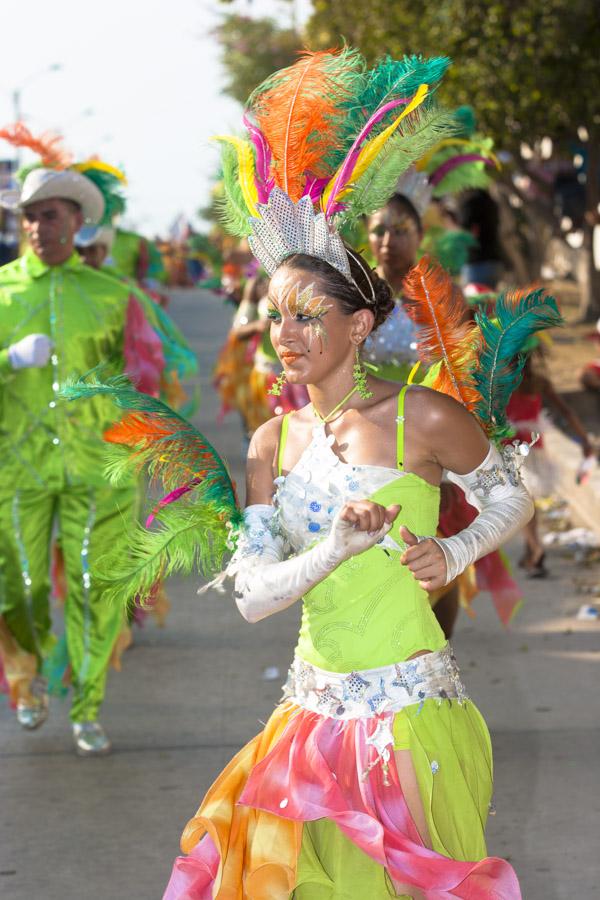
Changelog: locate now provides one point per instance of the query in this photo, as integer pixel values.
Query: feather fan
(48, 146)
(517, 316)
(438, 308)
(194, 534)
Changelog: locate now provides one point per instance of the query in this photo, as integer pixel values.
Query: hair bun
(384, 299)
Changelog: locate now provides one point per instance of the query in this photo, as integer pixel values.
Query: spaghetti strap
(400, 429)
(285, 422)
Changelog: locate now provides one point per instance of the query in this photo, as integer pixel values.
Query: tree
(252, 50)
(530, 68)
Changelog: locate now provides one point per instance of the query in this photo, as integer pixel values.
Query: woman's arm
(265, 582)
(491, 483)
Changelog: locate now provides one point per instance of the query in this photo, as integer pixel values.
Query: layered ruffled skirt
(313, 807)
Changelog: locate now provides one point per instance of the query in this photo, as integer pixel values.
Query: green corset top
(370, 611)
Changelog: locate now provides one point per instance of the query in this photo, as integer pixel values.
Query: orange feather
(48, 146)
(438, 308)
(298, 111)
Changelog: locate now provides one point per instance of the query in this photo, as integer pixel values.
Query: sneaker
(90, 739)
(33, 712)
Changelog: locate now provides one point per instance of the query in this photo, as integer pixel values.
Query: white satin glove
(266, 583)
(31, 352)
(496, 489)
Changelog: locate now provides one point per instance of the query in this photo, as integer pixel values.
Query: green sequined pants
(90, 523)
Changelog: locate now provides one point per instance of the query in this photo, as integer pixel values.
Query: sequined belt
(369, 692)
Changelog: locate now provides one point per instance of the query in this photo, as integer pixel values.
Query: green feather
(377, 184)
(232, 206)
(186, 540)
(500, 360)
(111, 189)
(390, 79)
(193, 532)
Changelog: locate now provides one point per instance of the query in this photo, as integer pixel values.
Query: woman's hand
(425, 559)
(360, 525)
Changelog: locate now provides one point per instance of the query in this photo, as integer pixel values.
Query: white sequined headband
(285, 228)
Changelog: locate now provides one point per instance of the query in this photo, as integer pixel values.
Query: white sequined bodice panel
(310, 495)
(394, 342)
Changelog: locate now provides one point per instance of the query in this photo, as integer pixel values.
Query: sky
(139, 84)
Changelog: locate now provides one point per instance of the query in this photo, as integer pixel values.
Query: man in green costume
(57, 317)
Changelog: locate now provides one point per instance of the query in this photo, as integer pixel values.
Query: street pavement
(191, 694)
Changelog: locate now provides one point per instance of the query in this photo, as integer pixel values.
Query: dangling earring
(359, 375)
(277, 386)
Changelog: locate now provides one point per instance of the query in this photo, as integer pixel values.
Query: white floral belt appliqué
(370, 692)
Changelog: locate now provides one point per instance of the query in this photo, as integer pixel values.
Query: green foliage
(252, 50)
(528, 68)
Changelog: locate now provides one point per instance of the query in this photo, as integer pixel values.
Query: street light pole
(16, 99)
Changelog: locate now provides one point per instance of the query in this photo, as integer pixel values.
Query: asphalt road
(190, 695)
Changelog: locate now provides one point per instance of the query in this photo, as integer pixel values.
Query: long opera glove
(496, 489)
(266, 583)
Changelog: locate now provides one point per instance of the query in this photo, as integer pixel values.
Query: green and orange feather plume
(194, 531)
(479, 365)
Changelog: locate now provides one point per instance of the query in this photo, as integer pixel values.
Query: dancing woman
(373, 776)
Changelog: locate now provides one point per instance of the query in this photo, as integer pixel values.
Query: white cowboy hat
(46, 184)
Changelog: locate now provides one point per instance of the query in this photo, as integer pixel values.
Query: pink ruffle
(315, 771)
(144, 356)
(193, 876)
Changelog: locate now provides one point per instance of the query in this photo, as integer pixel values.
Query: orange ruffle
(248, 840)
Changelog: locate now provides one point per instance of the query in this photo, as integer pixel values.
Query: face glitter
(303, 304)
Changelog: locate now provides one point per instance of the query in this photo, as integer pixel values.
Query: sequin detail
(310, 495)
(371, 692)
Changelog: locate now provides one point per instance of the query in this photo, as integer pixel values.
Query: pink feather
(264, 184)
(455, 161)
(354, 152)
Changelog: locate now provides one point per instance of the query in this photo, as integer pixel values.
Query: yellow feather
(102, 167)
(246, 170)
(373, 147)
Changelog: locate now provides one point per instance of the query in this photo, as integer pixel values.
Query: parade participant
(343, 776)
(395, 234)
(527, 414)
(57, 316)
(373, 777)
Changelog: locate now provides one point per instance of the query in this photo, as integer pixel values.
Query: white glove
(31, 352)
(495, 488)
(265, 583)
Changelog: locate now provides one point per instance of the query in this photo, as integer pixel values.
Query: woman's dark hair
(351, 297)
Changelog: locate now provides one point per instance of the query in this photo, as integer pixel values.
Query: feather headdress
(333, 136)
(110, 181)
(194, 519)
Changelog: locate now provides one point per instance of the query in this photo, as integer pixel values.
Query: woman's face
(394, 238)
(311, 335)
